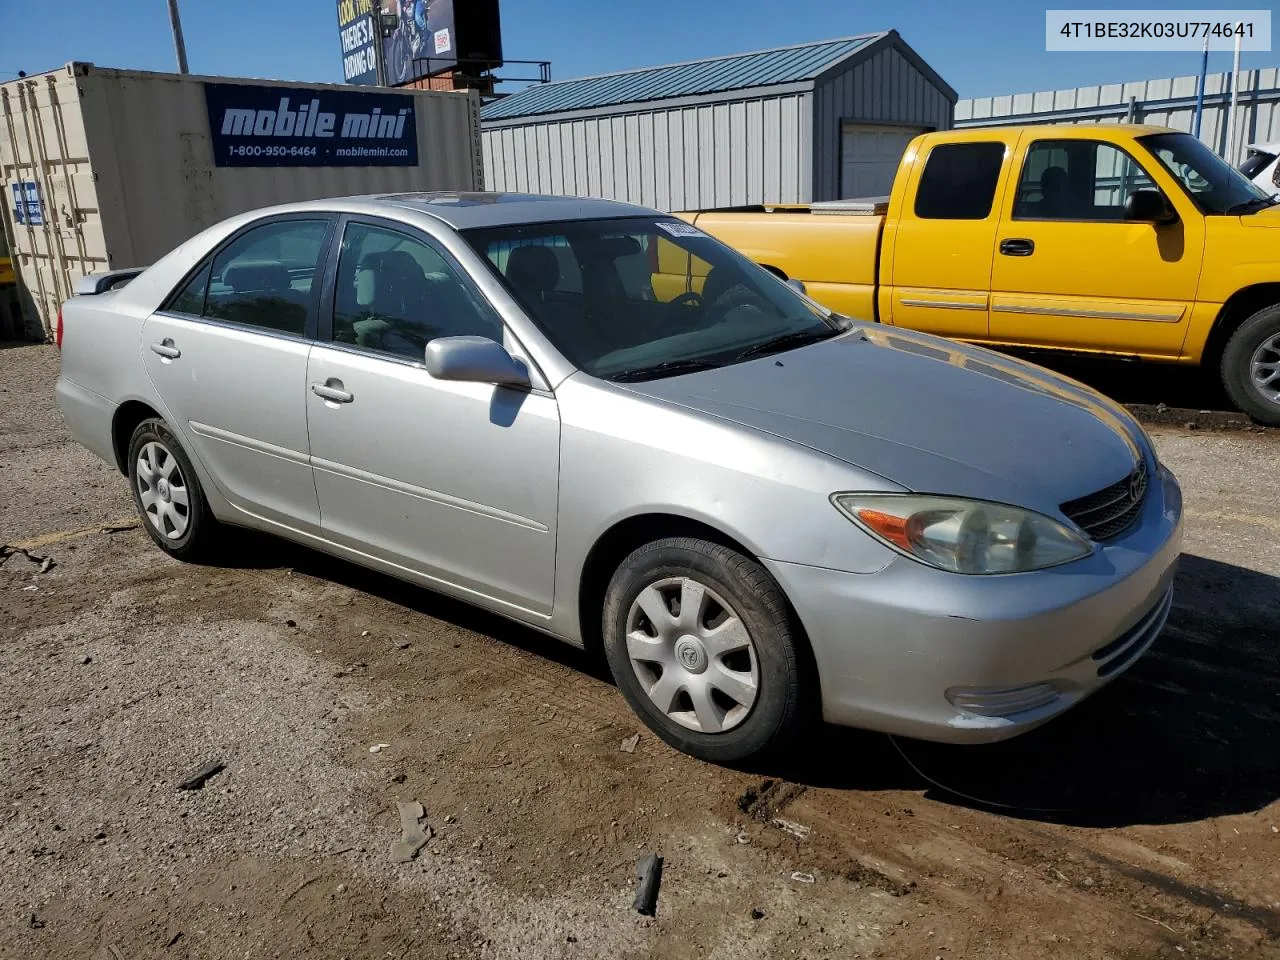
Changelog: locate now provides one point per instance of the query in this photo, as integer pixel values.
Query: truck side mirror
(1149, 206)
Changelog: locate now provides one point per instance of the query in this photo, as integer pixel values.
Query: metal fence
(1169, 102)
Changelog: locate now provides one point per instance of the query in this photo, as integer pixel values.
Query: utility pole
(1231, 113)
(1204, 73)
(379, 54)
(179, 45)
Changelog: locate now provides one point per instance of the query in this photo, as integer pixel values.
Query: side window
(261, 279)
(190, 299)
(1077, 180)
(396, 293)
(959, 181)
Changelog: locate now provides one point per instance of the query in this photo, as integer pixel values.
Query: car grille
(1110, 511)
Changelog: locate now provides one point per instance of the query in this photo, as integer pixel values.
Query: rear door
(228, 356)
(940, 232)
(1071, 272)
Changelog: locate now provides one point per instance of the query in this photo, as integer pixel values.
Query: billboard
(252, 126)
(431, 36)
(358, 31)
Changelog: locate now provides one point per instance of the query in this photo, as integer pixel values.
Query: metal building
(1168, 102)
(818, 121)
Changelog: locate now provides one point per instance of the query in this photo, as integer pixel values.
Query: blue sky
(980, 48)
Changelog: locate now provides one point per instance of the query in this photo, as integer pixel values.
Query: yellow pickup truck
(1136, 241)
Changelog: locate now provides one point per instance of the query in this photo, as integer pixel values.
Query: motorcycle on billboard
(423, 40)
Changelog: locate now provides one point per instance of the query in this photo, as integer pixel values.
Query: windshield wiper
(668, 368)
(1253, 203)
(788, 341)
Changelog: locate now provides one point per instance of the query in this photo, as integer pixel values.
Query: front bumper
(920, 652)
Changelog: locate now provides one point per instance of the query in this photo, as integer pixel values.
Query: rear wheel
(701, 643)
(167, 493)
(1251, 366)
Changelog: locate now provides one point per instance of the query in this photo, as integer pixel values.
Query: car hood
(928, 414)
(1266, 217)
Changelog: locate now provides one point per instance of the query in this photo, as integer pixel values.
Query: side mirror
(796, 285)
(1149, 206)
(475, 360)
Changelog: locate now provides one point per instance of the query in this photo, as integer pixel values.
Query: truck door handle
(166, 349)
(332, 391)
(1017, 247)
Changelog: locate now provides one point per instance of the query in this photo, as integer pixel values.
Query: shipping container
(107, 169)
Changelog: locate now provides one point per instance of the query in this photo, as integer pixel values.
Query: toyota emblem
(1137, 480)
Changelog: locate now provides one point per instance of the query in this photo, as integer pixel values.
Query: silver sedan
(598, 421)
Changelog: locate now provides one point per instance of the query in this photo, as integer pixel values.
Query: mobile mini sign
(252, 126)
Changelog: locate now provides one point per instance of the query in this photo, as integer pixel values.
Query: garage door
(869, 156)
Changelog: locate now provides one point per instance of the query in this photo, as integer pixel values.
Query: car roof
(466, 210)
(1272, 147)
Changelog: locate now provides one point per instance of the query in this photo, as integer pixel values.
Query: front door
(937, 247)
(228, 358)
(453, 481)
(1071, 272)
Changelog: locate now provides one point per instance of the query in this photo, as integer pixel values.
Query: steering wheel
(689, 298)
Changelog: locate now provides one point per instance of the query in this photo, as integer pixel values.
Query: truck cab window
(1077, 180)
(959, 181)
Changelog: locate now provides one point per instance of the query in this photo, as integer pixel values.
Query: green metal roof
(698, 77)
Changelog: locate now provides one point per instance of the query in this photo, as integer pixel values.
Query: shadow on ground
(1189, 732)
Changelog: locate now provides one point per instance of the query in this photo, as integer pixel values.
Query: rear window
(959, 181)
(260, 279)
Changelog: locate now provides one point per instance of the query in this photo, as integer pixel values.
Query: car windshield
(643, 297)
(1213, 184)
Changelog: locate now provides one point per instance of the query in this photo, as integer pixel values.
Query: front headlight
(964, 536)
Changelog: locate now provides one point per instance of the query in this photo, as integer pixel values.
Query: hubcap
(692, 655)
(1264, 368)
(162, 489)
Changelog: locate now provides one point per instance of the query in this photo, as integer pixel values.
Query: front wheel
(1251, 366)
(701, 643)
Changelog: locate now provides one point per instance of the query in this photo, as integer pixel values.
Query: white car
(1262, 166)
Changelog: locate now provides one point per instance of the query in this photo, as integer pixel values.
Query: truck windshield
(639, 298)
(1212, 184)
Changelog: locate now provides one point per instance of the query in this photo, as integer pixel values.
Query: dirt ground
(1143, 824)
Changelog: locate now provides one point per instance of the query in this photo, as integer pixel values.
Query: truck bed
(833, 248)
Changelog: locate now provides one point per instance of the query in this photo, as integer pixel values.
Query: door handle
(332, 391)
(166, 349)
(1017, 247)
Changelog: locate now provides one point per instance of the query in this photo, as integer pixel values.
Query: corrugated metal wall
(126, 170)
(886, 88)
(704, 155)
(1167, 102)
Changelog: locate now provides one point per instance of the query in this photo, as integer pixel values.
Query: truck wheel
(701, 643)
(1251, 366)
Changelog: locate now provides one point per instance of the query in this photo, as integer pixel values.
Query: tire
(704, 686)
(185, 531)
(1255, 344)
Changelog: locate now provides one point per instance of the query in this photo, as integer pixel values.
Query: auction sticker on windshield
(679, 229)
